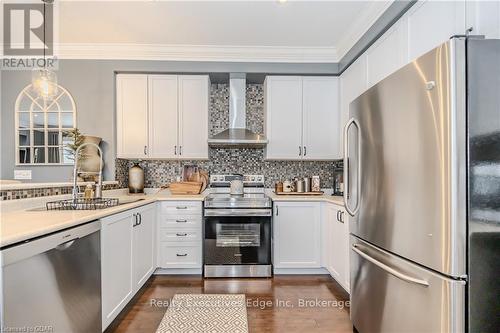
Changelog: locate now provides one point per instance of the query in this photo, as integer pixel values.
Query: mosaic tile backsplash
(224, 161)
(45, 192)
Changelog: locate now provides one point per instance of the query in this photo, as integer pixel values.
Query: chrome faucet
(98, 186)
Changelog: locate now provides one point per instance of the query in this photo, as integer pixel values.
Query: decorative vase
(136, 179)
(89, 159)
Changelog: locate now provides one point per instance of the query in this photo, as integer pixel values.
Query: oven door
(244, 239)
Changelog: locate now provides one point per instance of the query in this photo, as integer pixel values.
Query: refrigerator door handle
(389, 269)
(351, 212)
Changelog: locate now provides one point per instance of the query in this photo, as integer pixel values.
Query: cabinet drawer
(179, 235)
(180, 222)
(181, 208)
(179, 255)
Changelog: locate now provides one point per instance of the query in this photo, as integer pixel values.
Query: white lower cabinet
(143, 245)
(179, 235)
(127, 257)
(336, 243)
(297, 235)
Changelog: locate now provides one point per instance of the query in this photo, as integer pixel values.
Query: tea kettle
(236, 185)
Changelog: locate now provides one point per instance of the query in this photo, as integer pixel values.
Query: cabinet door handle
(305, 150)
(277, 211)
(338, 218)
(140, 218)
(181, 235)
(145, 150)
(135, 220)
(175, 150)
(182, 255)
(180, 150)
(181, 207)
(181, 221)
(341, 219)
(300, 150)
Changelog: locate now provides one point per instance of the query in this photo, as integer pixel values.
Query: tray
(299, 193)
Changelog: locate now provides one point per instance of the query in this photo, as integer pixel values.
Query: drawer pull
(181, 221)
(181, 207)
(182, 255)
(182, 235)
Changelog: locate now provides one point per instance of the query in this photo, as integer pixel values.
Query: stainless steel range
(237, 237)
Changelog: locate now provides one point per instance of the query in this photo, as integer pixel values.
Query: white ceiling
(293, 31)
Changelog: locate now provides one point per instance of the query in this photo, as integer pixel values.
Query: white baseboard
(303, 271)
(178, 271)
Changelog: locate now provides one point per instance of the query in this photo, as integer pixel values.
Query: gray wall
(91, 82)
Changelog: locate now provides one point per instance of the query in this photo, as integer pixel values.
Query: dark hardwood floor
(267, 307)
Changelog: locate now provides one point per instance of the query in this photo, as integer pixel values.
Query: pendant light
(43, 80)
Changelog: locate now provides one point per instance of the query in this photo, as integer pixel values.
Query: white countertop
(18, 223)
(326, 197)
(22, 224)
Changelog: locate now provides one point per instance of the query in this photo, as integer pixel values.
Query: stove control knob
(253, 179)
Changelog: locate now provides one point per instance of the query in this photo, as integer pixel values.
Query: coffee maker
(338, 178)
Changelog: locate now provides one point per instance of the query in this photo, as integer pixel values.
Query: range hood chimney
(237, 135)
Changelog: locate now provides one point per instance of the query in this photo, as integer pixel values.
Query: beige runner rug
(205, 313)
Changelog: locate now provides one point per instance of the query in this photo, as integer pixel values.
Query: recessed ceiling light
(281, 1)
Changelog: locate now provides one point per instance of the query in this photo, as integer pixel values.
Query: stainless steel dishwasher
(53, 283)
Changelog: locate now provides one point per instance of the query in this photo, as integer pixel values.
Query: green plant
(76, 140)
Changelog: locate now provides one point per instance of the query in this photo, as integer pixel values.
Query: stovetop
(254, 194)
(247, 200)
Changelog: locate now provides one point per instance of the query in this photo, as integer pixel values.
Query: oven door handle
(238, 212)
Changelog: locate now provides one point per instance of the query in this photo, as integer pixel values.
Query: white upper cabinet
(321, 117)
(193, 116)
(283, 108)
(302, 118)
(484, 18)
(387, 54)
(431, 23)
(162, 116)
(163, 120)
(132, 115)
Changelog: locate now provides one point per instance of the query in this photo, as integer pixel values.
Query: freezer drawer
(390, 294)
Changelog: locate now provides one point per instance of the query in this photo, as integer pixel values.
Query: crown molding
(197, 53)
(361, 25)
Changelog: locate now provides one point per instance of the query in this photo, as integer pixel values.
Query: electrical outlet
(22, 174)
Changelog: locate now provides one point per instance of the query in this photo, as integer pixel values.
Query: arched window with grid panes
(41, 127)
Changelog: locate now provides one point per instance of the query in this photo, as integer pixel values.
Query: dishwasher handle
(65, 245)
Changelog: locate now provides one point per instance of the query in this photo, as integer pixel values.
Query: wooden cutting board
(200, 176)
(186, 187)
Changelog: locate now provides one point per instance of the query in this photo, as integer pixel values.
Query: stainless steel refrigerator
(422, 176)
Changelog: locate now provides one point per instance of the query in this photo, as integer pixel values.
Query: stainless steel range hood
(237, 135)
